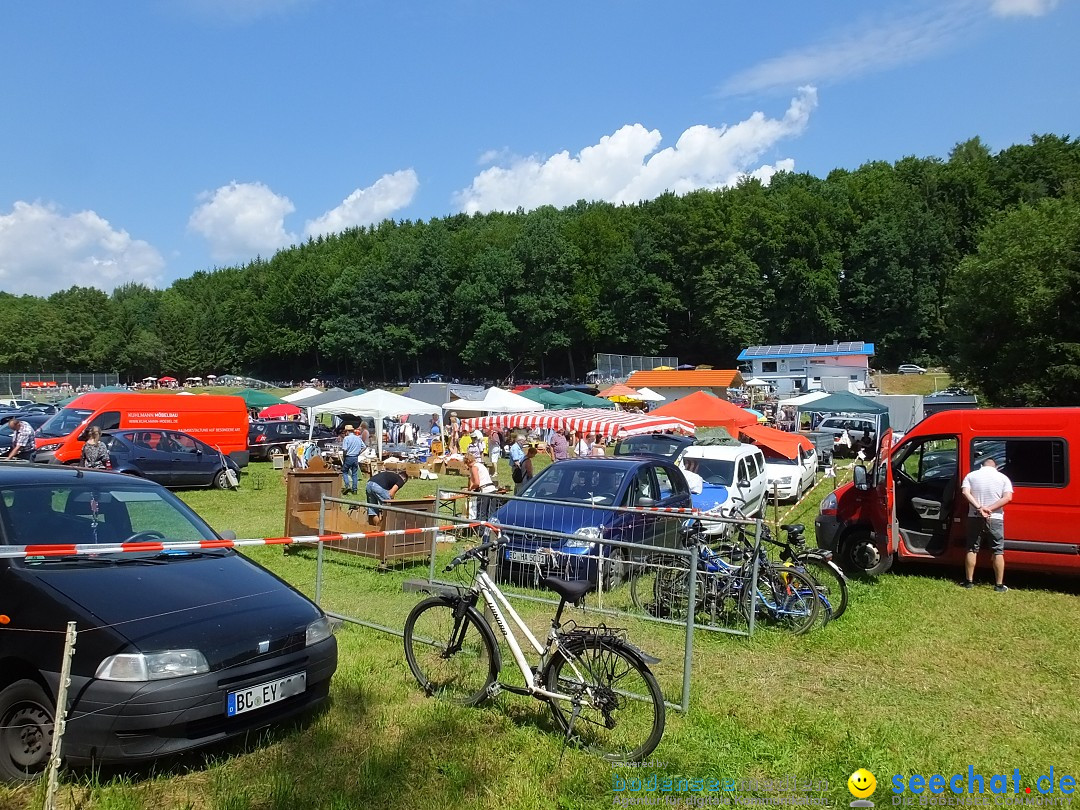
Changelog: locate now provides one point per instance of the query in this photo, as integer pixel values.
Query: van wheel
(26, 729)
(221, 479)
(862, 555)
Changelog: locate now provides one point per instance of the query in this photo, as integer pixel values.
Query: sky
(145, 141)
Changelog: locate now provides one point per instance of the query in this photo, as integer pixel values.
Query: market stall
(707, 410)
(303, 393)
(583, 400)
(495, 400)
(258, 399)
(588, 421)
(549, 399)
(787, 444)
(377, 404)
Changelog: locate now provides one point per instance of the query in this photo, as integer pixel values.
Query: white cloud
(1022, 8)
(866, 48)
(625, 166)
(43, 250)
(241, 220)
(366, 206)
(879, 43)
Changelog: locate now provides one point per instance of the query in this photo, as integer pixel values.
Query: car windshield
(63, 423)
(714, 470)
(772, 457)
(648, 445)
(578, 483)
(91, 513)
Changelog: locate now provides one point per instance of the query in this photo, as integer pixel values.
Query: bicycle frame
(493, 597)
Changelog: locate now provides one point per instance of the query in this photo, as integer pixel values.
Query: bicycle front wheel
(832, 587)
(451, 651)
(611, 704)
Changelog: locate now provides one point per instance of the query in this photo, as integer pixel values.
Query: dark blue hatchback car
(565, 497)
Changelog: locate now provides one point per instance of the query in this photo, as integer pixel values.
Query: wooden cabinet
(304, 498)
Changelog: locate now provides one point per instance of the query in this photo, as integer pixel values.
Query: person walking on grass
(351, 448)
(987, 490)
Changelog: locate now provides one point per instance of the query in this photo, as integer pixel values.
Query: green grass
(918, 677)
(923, 384)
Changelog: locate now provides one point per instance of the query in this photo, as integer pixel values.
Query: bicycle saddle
(794, 528)
(572, 592)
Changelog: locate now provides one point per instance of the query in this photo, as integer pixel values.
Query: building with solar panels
(799, 367)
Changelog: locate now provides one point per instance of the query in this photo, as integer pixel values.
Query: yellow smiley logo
(862, 783)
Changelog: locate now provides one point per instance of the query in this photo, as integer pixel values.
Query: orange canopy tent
(619, 390)
(784, 443)
(705, 410)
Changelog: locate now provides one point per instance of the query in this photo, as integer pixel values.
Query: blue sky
(148, 140)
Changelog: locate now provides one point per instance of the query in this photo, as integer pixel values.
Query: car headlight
(152, 666)
(785, 480)
(50, 446)
(588, 535)
(318, 630)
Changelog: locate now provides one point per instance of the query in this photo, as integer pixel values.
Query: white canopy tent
(648, 395)
(495, 400)
(757, 382)
(804, 399)
(377, 404)
(303, 393)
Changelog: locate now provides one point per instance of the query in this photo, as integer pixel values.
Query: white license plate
(525, 557)
(255, 697)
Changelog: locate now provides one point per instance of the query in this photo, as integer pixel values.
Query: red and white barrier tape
(79, 549)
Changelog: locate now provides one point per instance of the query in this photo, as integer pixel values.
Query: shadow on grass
(342, 755)
(1016, 580)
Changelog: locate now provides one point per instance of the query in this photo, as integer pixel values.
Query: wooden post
(60, 722)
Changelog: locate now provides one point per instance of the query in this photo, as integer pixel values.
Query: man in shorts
(987, 491)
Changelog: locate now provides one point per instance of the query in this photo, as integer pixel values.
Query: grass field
(924, 384)
(918, 677)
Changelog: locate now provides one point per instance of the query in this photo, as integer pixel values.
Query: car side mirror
(744, 483)
(859, 478)
(227, 534)
(645, 501)
(84, 435)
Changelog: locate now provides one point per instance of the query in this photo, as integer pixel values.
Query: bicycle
(784, 595)
(601, 692)
(817, 562)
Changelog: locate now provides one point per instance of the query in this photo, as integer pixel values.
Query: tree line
(922, 256)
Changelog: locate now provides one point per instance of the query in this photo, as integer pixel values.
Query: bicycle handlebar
(477, 553)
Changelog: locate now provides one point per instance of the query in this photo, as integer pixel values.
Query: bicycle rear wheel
(660, 587)
(613, 705)
(451, 651)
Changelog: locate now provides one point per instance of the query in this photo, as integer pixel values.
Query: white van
(728, 472)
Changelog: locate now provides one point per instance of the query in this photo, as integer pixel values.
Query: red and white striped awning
(584, 420)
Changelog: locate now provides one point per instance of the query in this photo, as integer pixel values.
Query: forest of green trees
(972, 262)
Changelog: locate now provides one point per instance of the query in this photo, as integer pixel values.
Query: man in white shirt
(987, 490)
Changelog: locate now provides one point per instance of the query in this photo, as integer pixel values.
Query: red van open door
(888, 498)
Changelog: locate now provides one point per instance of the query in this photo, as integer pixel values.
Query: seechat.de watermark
(1054, 788)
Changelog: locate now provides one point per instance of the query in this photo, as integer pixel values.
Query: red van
(219, 421)
(910, 505)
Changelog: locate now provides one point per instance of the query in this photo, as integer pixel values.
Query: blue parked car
(579, 485)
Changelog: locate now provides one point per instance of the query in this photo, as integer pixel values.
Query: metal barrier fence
(653, 584)
(43, 382)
